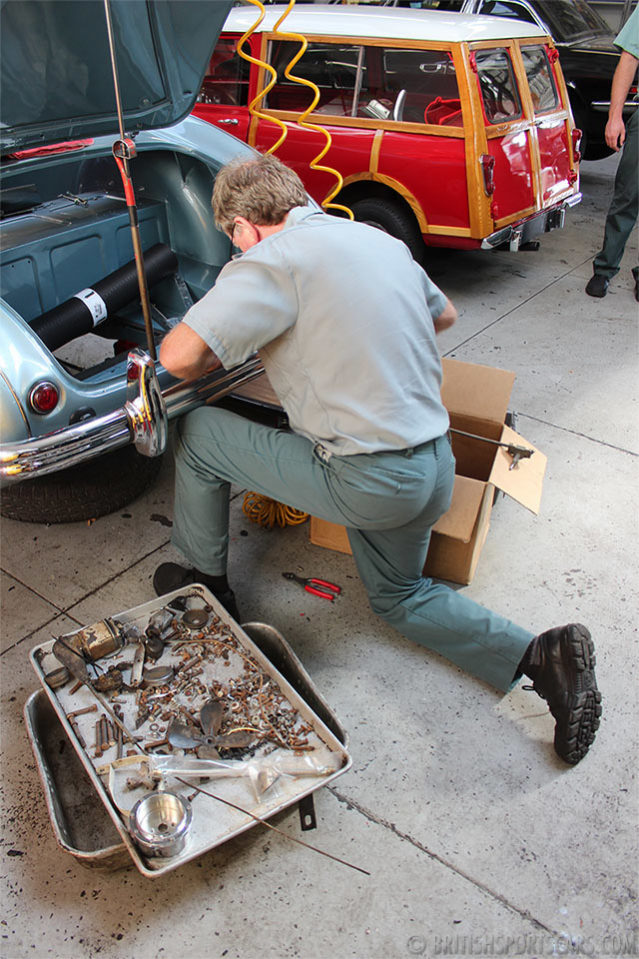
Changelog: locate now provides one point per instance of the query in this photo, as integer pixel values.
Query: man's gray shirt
(343, 318)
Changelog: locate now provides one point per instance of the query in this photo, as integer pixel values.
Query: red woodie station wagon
(448, 130)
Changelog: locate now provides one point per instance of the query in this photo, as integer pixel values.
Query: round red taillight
(44, 398)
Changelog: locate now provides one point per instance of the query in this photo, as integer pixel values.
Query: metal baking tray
(80, 823)
(213, 823)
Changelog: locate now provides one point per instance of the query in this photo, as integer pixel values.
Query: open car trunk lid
(55, 66)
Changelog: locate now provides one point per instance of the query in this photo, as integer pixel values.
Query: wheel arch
(383, 188)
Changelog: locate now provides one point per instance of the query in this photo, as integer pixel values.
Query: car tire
(83, 492)
(590, 149)
(391, 218)
(596, 151)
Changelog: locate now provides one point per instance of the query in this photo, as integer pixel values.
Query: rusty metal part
(57, 677)
(104, 733)
(160, 622)
(186, 737)
(189, 663)
(196, 618)
(111, 681)
(98, 738)
(80, 712)
(142, 717)
(119, 738)
(158, 675)
(110, 734)
(117, 720)
(69, 655)
(154, 646)
(138, 666)
(211, 716)
(89, 644)
(78, 735)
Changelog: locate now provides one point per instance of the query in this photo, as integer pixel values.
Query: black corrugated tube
(84, 311)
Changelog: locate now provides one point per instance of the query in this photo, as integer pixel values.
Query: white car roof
(395, 23)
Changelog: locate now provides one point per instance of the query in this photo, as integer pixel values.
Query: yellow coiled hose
(269, 513)
(302, 119)
(261, 509)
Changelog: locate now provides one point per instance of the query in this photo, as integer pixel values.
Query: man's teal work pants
(622, 214)
(389, 503)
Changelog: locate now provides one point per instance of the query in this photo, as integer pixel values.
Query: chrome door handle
(228, 122)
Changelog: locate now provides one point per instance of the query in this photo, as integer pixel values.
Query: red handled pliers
(318, 587)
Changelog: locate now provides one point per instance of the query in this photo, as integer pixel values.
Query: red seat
(444, 112)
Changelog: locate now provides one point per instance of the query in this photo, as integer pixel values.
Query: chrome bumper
(524, 231)
(142, 421)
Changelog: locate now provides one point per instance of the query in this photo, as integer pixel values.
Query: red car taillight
(44, 397)
(488, 169)
(576, 143)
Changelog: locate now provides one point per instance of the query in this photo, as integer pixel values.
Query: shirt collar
(299, 213)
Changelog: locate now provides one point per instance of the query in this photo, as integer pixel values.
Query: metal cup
(159, 823)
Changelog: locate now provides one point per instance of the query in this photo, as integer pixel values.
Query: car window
(227, 77)
(426, 81)
(507, 8)
(416, 86)
(499, 92)
(336, 70)
(568, 20)
(540, 79)
(572, 20)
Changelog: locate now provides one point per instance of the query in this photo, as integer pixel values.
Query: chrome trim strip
(143, 421)
(602, 106)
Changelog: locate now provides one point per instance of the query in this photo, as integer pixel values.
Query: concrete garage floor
(479, 841)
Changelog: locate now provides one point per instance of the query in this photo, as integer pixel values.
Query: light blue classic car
(77, 376)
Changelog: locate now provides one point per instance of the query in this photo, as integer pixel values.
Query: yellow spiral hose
(302, 119)
(261, 509)
(261, 63)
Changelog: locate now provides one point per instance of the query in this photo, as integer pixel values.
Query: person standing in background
(622, 214)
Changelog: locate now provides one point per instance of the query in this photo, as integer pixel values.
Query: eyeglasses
(232, 234)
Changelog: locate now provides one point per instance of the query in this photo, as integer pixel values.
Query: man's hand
(446, 318)
(615, 133)
(185, 354)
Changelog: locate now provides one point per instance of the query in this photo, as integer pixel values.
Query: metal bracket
(306, 808)
(124, 149)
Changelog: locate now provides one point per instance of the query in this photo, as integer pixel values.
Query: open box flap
(459, 521)
(477, 392)
(524, 482)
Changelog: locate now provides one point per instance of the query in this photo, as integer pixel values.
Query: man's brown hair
(262, 190)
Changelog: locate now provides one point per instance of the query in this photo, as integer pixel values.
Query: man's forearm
(621, 82)
(185, 354)
(446, 318)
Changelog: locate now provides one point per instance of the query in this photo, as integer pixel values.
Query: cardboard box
(476, 398)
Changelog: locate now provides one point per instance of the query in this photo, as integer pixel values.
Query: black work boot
(561, 664)
(597, 285)
(170, 576)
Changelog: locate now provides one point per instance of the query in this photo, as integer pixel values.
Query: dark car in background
(586, 50)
